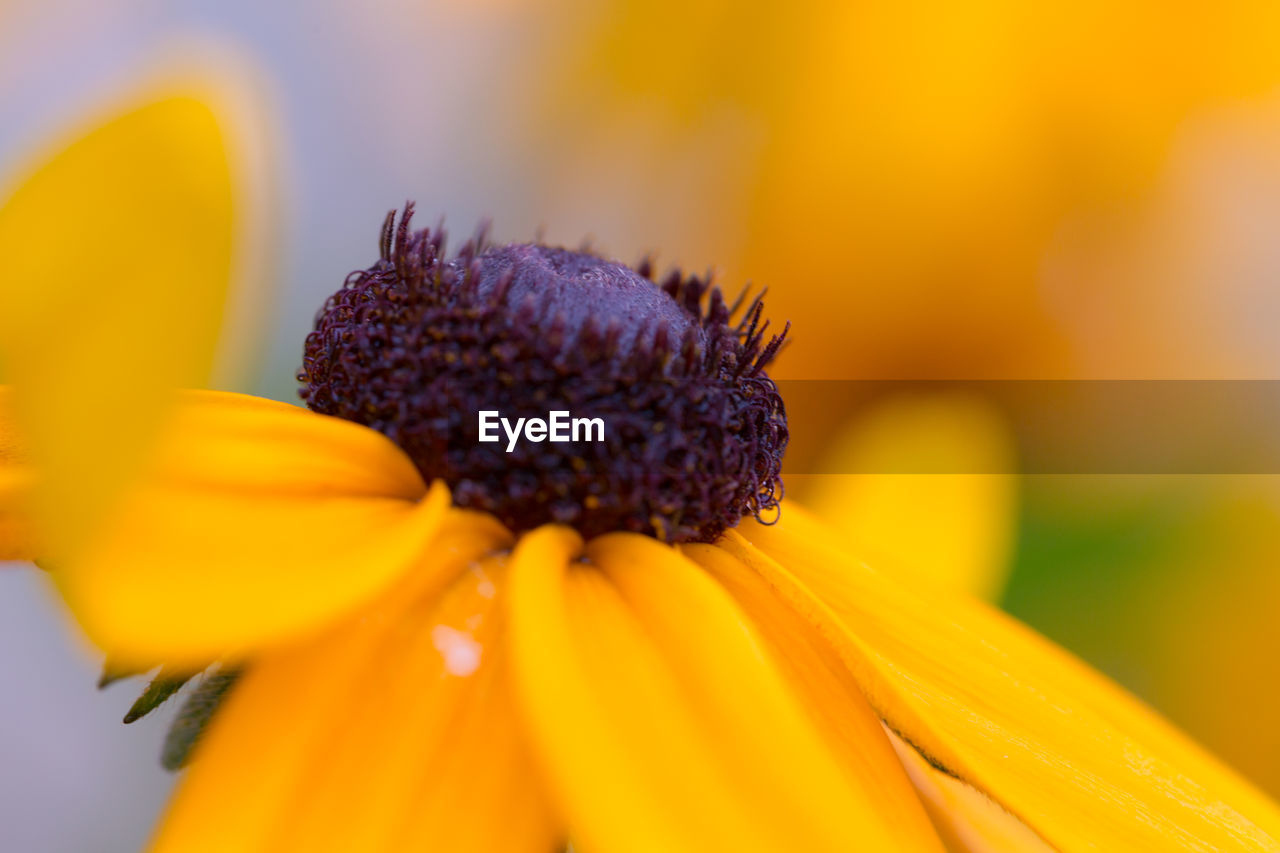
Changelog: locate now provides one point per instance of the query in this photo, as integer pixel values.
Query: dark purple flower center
(419, 346)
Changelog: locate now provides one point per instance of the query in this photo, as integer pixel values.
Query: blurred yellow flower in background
(957, 527)
(416, 675)
(124, 293)
(165, 183)
(905, 167)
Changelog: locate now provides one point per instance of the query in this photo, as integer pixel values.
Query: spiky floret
(418, 344)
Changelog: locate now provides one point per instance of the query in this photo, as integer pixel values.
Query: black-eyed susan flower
(444, 646)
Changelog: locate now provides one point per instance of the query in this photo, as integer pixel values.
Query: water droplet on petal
(460, 650)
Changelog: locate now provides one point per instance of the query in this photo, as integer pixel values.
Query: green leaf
(164, 685)
(194, 716)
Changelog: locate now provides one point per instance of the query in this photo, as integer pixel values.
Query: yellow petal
(115, 254)
(832, 697)
(967, 819)
(254, 521)
(955, 519)
(392, 731)
(660, 719)
(17, 534)
(1075, 758)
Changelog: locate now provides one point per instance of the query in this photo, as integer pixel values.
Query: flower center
(424, 348)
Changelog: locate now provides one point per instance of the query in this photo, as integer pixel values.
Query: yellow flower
(957, 528)
(418, 676)
(917, 161)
